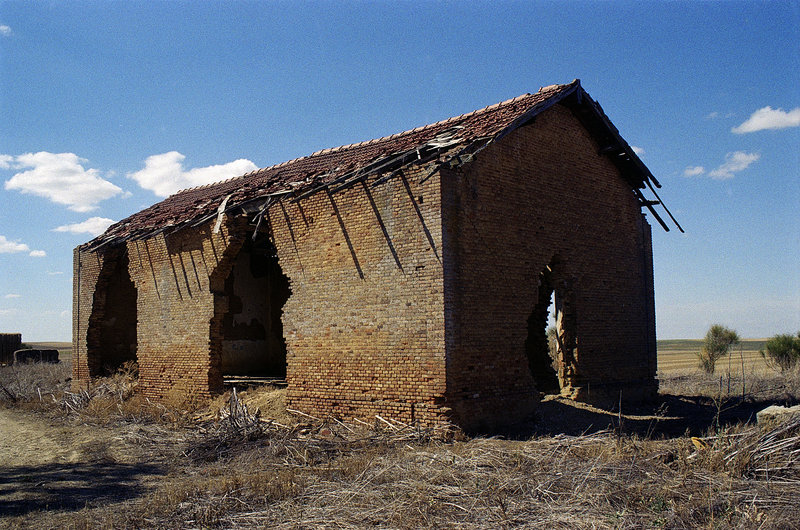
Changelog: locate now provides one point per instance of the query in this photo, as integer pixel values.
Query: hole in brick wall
(551, 344)
(111, 338)
(253, 344)
(540, 344)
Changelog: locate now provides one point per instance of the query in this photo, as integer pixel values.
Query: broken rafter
(661, 202)
(647, 204)
(377, 165)
(386, 177)
(260, 215)
(431, 173)
(450, 143)
(393, 163)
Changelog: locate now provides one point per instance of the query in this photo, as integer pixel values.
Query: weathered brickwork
(543, 192)
(177, 282)
(412, 294)
(86, 288)
(365, 323)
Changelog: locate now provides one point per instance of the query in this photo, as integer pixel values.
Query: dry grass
(760, 384)
(245, 461)
(33, 382)
(602, 480)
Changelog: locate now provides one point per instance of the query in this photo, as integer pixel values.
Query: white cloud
(54, 273)
(7, 312)
(10, 247)
(638, 150)
(93, 225)
(6, 161)
(769, 118)
(5, 31)
(12, 295)
(61, 178)
(694, 171)
(164, 174)
(734, 162)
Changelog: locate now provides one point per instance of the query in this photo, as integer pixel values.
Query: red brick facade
(544, 196)
(414, 297)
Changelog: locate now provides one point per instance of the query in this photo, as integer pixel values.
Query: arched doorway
(252, 342)
(111, 337)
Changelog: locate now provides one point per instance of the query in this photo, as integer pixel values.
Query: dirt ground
(49, 463)
(30, 440)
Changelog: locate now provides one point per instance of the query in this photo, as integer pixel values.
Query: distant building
(408, 276)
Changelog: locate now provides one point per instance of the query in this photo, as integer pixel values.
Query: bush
(782, 351)
(716, 344)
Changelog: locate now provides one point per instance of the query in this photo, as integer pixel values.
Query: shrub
(782, 351)
(31, 381)
(716, 344)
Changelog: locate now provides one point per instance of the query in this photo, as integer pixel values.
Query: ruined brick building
(408, 276)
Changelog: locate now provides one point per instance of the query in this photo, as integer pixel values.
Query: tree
(782, 351)
(552, 342)
(718, 342)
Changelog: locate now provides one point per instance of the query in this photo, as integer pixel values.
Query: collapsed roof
(449, 143)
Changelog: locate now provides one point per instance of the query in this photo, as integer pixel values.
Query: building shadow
(669, 416)
(70, 487)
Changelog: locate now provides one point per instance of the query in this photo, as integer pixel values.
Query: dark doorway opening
(111, 338)
(541, 344)
(253, 346)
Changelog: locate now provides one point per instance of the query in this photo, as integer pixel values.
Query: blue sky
(107, 106)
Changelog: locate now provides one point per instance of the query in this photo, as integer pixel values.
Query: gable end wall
(540, 192)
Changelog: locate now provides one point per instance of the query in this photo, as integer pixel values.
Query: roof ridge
(437, 123)
(328, 150)
(248, 174)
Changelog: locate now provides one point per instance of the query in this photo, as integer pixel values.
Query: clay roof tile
(314, 170)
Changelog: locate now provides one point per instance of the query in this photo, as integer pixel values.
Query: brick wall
(541, 193)
(85, 274)
(364, 325)
(181, 304)
(408, 300)
(179, 307)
